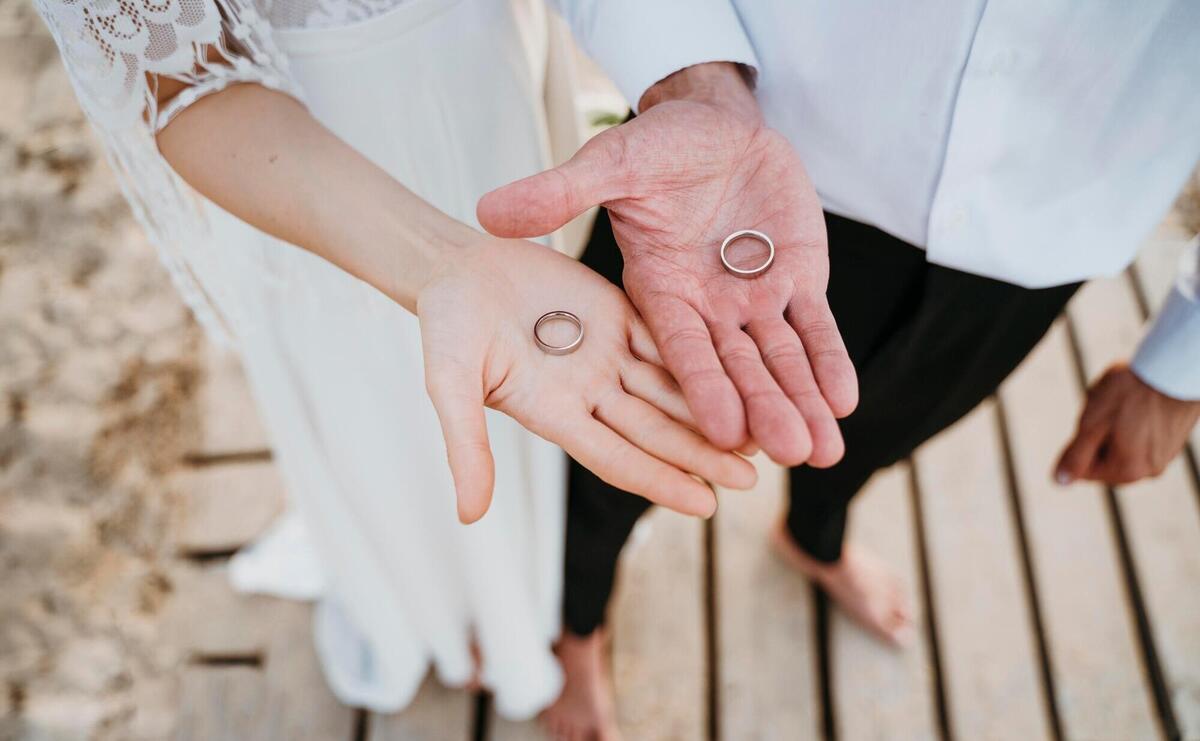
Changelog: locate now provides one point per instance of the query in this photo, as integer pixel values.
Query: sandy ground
(97, 367)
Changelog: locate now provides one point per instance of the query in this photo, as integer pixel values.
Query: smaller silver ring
(566, 349)
(751, 272)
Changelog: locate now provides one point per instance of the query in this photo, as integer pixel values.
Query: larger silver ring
(748, 272)
(566, 349)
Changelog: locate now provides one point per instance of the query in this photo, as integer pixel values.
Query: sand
(98, 363)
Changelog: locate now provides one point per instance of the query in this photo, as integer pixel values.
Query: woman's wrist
(421, 244)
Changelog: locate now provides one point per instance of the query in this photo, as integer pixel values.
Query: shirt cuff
(639, 42)
(1168, 359)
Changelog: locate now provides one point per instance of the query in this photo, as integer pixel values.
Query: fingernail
(1063, 478)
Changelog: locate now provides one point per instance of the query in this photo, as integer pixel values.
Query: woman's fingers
(654, 385)
(786, 360)
(618, 462)
(457, 395)
(774, 421)
(664, 438)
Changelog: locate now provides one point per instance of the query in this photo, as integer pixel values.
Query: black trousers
(929, 344)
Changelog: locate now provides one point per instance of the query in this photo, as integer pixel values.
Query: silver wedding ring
(748, 272)
(566, 349)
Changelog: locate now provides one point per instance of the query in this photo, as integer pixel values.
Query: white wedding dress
(450, 97)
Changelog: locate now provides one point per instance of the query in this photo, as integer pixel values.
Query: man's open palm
(759, 355)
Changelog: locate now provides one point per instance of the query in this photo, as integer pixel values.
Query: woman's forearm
(260, 155)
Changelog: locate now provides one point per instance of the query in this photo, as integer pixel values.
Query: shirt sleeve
(639, 42)
(1169, 356)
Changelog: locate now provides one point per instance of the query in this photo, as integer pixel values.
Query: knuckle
(683, 336)
(766, 397)
(819, 332)
(741, 356)
(783, 354)
(471, 447)
(698, 376)
(810, 399)
(827, 354)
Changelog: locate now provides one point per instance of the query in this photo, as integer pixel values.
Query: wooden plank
(209, 622)
(229, 420)
(986, 635)
(436, 714)
(221, 704)
(1161, 516)
(880, 692)
(299, 705)
(769, 686)
(224, 507)
(1100, 687)
(206, 619)
(501, 729)
(658, 631)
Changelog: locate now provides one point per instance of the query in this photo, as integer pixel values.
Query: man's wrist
(727, 84)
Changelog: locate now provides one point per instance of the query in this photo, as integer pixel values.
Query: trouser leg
(952, 339)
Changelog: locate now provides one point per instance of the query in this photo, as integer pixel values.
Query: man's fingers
(774, 422)
(688, 353)
(785, 359)
(827, 355)
(458, 398)
(618, 462)
(653, 384)
(542, 203)
(664, 438)
(1082, 454)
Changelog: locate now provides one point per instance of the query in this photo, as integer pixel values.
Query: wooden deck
(1044, 612)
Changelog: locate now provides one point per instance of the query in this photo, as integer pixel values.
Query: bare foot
(584, 711)
(862, 585)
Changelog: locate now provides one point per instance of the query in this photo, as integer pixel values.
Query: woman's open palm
(608, 404)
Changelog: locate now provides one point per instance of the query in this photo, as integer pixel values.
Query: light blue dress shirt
(1033, 141)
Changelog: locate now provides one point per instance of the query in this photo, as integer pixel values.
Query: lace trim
(111, 48)
(322, 13)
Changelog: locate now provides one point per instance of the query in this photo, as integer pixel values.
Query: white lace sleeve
(114, 51)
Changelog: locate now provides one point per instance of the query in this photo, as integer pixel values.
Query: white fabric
(1037, 142)
(441, 94)
(1170, 354)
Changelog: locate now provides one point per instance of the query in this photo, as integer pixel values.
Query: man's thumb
(542, 203)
